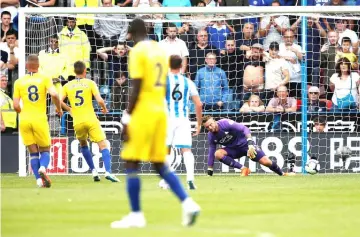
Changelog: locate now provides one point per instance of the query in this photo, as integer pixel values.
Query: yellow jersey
(32, 89)
(80, 92)
(149, 62)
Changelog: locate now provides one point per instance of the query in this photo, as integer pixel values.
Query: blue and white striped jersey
(179, 91)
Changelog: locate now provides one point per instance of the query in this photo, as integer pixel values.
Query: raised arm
(103, 52)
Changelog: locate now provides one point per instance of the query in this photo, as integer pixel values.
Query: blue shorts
(240, 151)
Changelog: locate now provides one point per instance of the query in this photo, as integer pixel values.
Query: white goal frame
(258, 11)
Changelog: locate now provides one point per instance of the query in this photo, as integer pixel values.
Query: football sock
(44, 159)
(173, 181)
(107, 159)
(35, 164)
(274, 167)
(189, 161)
(133, 189)
(227, 160)
(88, 157)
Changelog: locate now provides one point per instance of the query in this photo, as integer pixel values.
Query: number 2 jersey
(32, 89)
(80, 92)
(179, 91)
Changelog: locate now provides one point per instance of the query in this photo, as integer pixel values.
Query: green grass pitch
(254, 206)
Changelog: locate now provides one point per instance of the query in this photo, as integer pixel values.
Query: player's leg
(265, 161)
(189, 161)
(225, 156)
(44, 163)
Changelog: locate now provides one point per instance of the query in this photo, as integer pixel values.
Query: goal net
(274, 71)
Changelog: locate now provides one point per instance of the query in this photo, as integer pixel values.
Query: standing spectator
(111, 27)
(254, 104)
(187, 34)
(198, 51)
(291, 52)
(218, 33)
(198, 20)
(175, 46)
(314, 103)
(7, 114)
(315, 32)
(273, 27)
(319, 124)
(328, 53)
(123, 3)
(53, 63)
(246, 37)
(117, 57)
(230, 62)
(6, 25)
(120, 91)
(177, 3)
(341, 27)
(276, 72)
(10, 48)
(75, 44)
(283, 103)
(345, 53)
(344, 83)
(3, 62)
(212, 84)
(44, 3)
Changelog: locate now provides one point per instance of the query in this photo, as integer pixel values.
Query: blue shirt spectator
(317, 2)
(218, 34)
(282, 2)
(212, 83)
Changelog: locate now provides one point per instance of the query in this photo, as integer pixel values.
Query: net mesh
(243, 46)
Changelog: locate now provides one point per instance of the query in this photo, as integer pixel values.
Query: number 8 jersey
(80, 93)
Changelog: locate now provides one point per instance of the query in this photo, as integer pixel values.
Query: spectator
(142, 4)
(10, 48)
(291, 52)
(341, 27)
(273, 27)
(150, 28)
(7, 114)
(345, 53)
(120, 91)
(123, 3)
(43, 3)
(187, 33)
(328, 53)
(111, 27)
(178, 3)
(253, 72)
(344, 84)
(254, 104)
(199, 20)
(10, 6)
(314, 103)
(246, 37)
(175, 46)
(218, 33)
(158, 25)
(75, 44)
(117, 57)
(6, 25)
(315, 32)
(212, 84)
(212, 3)
(319, 124)
(53, 63)
(317, 2)
(230, 62)
(283, 103)
(198, 51)
(3, 62)
(276, 71)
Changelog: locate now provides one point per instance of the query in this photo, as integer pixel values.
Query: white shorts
(179, 133)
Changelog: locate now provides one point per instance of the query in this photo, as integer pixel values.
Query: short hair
(320, 120)
(11, 32)
(341, 61)
(32, 58)
(70, 18)
(5, 13)
(54, 36)
(202, 2)
(206, 118)
(137, 28)
(170, 25)
(79, 67)
(276, 1)
(210, 53)
(175, 62)
(345, 39)
(230, 37)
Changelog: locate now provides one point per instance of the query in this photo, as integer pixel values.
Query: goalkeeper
(237, 142)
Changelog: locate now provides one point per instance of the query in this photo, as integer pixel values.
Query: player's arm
(16, 98)
(198, 106)
(62, 98)
(54, 95)
(98, 98)
(238, 127)
(211, 156)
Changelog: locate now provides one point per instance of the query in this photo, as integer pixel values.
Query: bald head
(32, 63)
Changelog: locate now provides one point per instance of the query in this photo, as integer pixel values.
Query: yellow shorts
(35, 132)
(89, 129)
(147, 138)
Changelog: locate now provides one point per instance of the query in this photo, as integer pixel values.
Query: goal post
(293, 135)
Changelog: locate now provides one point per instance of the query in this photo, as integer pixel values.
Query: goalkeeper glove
(251, 149)
(210, 171)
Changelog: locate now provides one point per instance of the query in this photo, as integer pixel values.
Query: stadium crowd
(238, 64)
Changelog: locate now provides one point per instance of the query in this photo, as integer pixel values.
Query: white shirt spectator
(273, 35)
(5, 47)
(176, 47)
(273, 72)
(143, 3)
(294, 68)
(342, 87)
